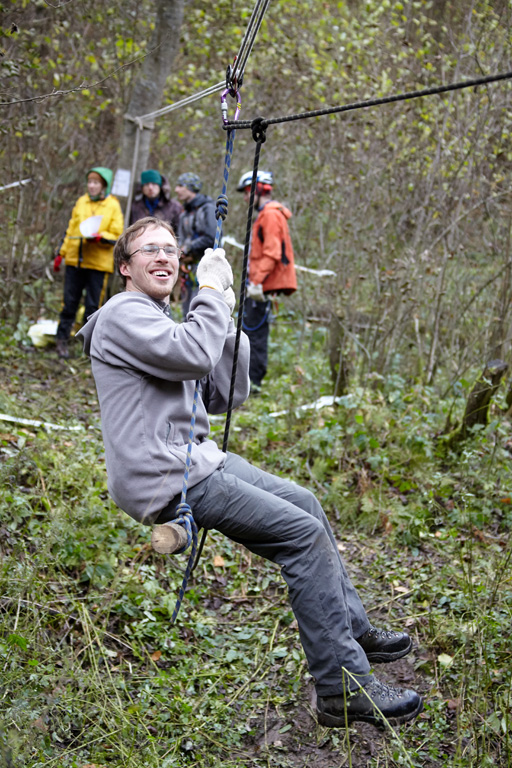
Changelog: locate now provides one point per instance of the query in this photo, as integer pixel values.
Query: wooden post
(167, 538)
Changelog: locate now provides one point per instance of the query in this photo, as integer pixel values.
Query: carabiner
(224, 104)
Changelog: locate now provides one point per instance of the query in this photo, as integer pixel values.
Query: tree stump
(479, 400)
(168, 538)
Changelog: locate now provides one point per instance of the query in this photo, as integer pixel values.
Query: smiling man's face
(152, 274)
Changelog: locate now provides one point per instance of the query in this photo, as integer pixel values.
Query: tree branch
(81, 87)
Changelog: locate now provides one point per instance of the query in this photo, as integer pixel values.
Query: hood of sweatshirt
(279, 207)
(106, 174)
(85, 333)
(197, 202)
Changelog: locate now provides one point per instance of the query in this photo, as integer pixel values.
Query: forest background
(409, 206)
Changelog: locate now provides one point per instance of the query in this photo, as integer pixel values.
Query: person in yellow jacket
(88, 251)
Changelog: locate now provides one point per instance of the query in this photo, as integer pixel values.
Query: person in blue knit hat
(153, 198)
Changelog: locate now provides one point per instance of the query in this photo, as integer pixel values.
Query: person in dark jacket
(196, 231)
(153, 198)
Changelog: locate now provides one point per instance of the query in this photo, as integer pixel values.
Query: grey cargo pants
(284, 523)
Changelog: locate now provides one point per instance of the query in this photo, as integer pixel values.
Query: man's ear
(124, 268)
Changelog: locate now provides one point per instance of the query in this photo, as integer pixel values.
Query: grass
(94, 674)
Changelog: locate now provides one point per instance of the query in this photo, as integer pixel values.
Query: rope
(378, 102)
(221, 212)
(260, 137)
(185, 517)
(262, 321)
(260, 133)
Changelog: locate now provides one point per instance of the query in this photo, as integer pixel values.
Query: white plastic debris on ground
(43, 332)
(37, 423)
(322, 402)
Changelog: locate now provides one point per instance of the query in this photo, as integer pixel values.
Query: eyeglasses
(153, 250)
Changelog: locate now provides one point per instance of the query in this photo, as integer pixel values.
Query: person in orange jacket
(271, 268)
(89, 256)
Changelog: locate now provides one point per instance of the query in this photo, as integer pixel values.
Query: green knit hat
(151, 177)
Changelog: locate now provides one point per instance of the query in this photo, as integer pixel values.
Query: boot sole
(383, 657)
(335, 721)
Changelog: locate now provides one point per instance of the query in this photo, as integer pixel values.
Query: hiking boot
(374, 703)
(62, 349)
(382, 645)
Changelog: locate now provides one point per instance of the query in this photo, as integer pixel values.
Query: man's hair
(122, 247)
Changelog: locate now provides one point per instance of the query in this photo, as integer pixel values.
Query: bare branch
(82, 87)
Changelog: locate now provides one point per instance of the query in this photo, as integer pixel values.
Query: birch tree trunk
(149, 87)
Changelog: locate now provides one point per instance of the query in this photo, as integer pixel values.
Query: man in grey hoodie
(145, 367)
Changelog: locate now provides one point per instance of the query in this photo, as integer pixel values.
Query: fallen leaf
(40, 724)
(93, 765)
(218, 561)
(8, 437)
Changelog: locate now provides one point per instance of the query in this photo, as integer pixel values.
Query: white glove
(214, 270)
(255, 292)
(230, 299)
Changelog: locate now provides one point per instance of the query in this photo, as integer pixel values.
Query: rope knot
(221, 210)
(258, 128)
(185, 519)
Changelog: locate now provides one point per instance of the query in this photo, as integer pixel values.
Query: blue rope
(222, 201)
(185, 516)
(186, 519)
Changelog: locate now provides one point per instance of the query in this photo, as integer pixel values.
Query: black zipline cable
(378, 102)
(260, 138)
(259, 126)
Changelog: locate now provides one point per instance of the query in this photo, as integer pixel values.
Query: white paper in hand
(90, 226)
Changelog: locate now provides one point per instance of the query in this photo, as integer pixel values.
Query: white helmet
(262, 177)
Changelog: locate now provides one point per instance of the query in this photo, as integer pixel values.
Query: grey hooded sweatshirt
(145, 367)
